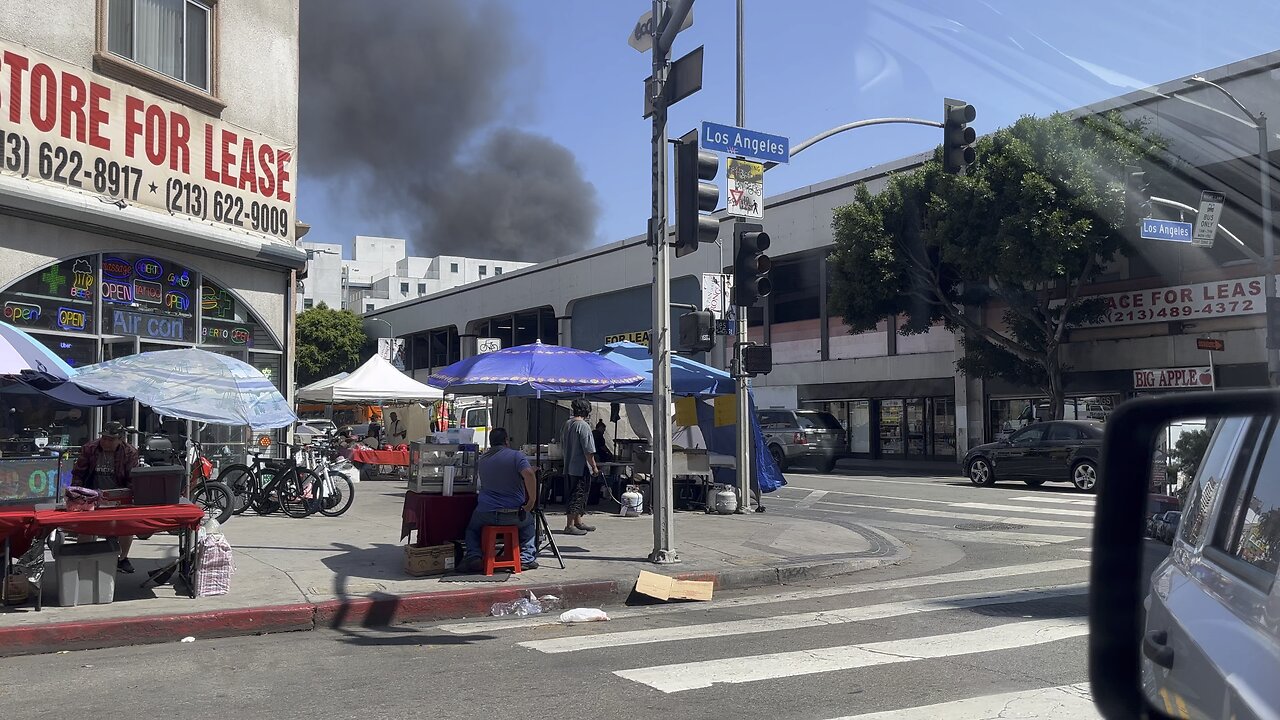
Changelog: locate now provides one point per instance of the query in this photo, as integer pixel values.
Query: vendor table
(15, 524)
(380, 457)
(437, 518)
(120, 521)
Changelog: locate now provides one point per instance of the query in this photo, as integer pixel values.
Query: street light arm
(1245, 249)
(799, 147)
(1198, 80)
(672, 18)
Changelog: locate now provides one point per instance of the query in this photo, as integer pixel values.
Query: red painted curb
(114, 632)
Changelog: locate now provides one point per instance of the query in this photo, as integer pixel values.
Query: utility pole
(665, 26)
(742, 451)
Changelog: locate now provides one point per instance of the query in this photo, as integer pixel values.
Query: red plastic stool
(510, 558)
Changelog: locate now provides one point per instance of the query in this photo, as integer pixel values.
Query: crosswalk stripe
(1063, 701)
(797, 621)
(1073, 500)
(997, 537)
(1035, 510)
(957, 515)
(1024, 509)
(477, 628)
(693, 675)
(811, 498)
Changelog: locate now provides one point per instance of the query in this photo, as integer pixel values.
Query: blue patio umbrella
(537, 368)
(21, 355)
(193, 384)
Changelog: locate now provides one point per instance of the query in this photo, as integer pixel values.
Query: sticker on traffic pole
(746, 188)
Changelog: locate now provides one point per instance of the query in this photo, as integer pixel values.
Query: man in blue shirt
(507, 483)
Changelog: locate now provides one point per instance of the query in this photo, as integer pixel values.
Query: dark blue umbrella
(535, 368)
(689, 378)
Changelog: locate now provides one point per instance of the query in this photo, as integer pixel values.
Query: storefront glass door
(891, 439)
(860, 426)
(915, 427)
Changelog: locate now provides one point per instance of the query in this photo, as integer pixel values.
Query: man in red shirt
(106, 464)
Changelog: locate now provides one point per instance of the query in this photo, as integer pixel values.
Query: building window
(497, 270)
(308, 303)
(404, 288)
(169, 36)
(453, 267)
(422, 288)
(368, 307)
(483, 271)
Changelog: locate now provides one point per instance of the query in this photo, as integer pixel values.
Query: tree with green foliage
(1186, 456)
(329, 342)
(1035, 219)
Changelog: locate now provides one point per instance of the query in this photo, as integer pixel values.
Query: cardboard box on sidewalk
(429, 560)
(669, 588)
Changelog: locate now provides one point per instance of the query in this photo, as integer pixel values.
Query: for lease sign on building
(1185, 302)
(1173, 378)
(64, 125)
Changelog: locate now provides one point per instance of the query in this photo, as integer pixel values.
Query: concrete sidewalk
(296, 574)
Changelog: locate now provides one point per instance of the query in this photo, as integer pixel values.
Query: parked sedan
(1056, 451)
(1167, 526)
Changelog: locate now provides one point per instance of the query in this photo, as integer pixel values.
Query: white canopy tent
(376, 381)
(307, 391)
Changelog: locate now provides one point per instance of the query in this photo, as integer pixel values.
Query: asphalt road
(986, 619)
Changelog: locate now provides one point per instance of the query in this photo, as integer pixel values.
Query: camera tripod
(542, 531)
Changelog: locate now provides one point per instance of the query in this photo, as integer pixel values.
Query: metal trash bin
(86, 572)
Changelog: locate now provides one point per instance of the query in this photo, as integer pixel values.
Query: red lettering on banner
(266, 160)
(97, 116)
(210, 173)
(1185, 295)
(282, 174)
(1237, 290)
(44, 98)
(17, 66)
(228, 160)
(132, 126)
(248, 171)
(157, 140)
(73, 99)
(1255, 287)
(179, 136)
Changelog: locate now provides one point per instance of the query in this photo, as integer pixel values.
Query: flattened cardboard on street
(669, 588)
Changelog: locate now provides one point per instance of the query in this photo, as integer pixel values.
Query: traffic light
(697, 331)
(957, 137)
(750, 265)
(1137, 199)
(757, 360)
(696, 193)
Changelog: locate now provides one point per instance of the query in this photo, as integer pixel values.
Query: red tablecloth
(437, 518)
(15, 525)
(380, 457)
(130, 520)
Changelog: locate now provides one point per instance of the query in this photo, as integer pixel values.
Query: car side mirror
(1117, 585)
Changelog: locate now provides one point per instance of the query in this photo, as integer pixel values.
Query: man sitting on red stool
(507, 482)
(106, 464)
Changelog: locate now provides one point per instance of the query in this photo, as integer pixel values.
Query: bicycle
(271, 484)
(335, 492)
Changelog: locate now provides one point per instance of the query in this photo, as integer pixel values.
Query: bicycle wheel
(298, 491)
(336, 494)
(242, 483)
(216, 498)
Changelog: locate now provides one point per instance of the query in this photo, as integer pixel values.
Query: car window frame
(1042, 427)
(1228, 516)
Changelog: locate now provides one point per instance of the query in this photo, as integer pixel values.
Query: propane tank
(632, 502)
(726, 501)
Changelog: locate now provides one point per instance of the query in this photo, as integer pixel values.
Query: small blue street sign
(1170, 230)
(732, 140)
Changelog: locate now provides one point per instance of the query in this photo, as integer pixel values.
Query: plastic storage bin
(86, 572)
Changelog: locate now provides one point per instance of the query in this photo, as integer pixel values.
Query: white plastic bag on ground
(580, 615)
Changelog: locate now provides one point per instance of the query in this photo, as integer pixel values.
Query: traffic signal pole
(741, 393)
(665, 28)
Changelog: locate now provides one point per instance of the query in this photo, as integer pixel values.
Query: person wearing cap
(106, 464)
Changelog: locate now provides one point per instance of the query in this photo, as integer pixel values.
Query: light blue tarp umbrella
(192, 384)
(22, 355)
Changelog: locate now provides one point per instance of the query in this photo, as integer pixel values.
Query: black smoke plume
(402, 105)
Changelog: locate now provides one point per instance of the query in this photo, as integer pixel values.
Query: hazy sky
(559, 75)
